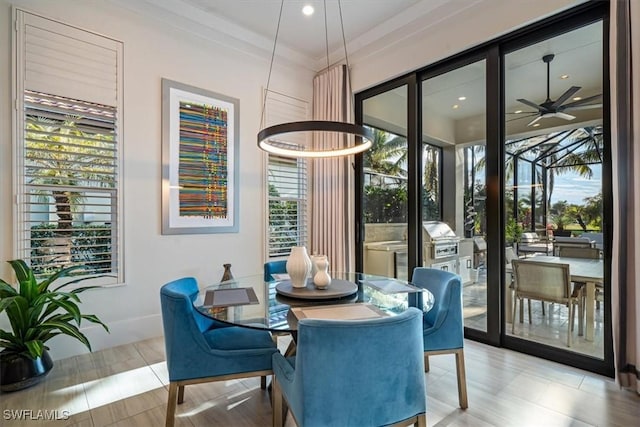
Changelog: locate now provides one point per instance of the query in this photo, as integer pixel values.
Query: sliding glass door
(384, 186)
(554, 151)
(453, 181)
(504, 150)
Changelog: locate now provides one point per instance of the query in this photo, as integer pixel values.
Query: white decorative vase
(314, 260)
(322, 279)
(298, 266)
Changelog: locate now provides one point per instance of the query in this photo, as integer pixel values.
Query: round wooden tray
(337, 289)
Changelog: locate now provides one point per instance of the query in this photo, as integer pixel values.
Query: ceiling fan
(550, 108)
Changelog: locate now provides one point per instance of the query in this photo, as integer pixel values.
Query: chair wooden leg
(542, 303)
(171, 404)
(180, 394)
(422, 420)
(263, 382)
(426, 363)
(462, 380)
(513, 318)
(529, 306)
(571, 320)
(581, 313)
(276, 394)
(521, 310)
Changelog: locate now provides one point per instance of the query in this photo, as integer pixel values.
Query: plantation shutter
(63, 60)
(287, 179)
(69, 148)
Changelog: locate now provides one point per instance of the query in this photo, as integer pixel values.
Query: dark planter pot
(19, 372)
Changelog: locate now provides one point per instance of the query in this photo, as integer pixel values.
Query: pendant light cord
(273, 54)
(344, 40)
(326, 34)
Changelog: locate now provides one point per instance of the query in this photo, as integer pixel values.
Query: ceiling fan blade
(582, 107)
(522, 116)
(564, 116)
(568, 94)
(583, 101)
(534, 121)
(530, 104)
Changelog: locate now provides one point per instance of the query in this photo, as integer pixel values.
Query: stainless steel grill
(441, 246)
(439, 239)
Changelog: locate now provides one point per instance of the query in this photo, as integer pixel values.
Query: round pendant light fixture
(352, 138)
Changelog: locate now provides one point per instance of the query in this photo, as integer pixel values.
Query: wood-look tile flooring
(126, 386)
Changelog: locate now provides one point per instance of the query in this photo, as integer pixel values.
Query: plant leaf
(66, 305)
(68, 329)
(6, 290)
(26, 279)
(81, 279)
(8, 337)
(35, 348)
(18, 315)
(6, 302)
(63, 272)
(94, 319)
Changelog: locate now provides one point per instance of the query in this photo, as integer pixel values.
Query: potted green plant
(37, 314)
(512, 232)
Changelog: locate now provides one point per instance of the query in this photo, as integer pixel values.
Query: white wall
(473, 25)
(153, 51)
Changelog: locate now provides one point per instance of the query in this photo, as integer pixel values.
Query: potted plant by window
(37, 314)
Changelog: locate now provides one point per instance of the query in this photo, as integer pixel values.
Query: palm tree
(573, 150)
(61, 157)
(560, 163)
(387, 154)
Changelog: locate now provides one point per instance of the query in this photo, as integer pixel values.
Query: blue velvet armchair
(199, 350)
(354, 373)
(274, 267)
(443, 324)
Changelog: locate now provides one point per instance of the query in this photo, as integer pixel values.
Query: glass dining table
(276, 306)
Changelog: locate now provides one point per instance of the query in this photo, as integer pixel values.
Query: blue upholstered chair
(443, 324)
(353, 373)
(274, 267)
(199, 351)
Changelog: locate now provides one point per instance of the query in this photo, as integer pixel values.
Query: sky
(574, 189)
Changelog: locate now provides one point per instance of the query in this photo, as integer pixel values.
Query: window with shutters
(287, 181)
(69, 85)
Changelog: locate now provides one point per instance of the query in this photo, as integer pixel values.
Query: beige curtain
(625, 140)
(332, 178)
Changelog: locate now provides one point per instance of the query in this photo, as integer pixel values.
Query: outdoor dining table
(584, 270)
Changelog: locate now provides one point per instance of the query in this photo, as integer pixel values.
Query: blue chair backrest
(183, 325)
(368, 372)
(447, 309)
(274, 267)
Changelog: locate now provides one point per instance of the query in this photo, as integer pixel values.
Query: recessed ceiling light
(564, 76)
(308, 10)
(577, 98)
(517, 112)
(455, 106)
(462, 98)
(535, 125)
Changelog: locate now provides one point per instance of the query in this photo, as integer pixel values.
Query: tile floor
(126, 386)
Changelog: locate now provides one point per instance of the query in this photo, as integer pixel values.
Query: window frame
(301, 201)
(22, 234)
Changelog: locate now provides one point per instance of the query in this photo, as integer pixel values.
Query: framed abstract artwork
(200, 133)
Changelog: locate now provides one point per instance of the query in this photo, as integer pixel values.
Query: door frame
(493, 52)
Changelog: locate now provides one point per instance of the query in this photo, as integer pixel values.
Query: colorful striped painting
(203, 157)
